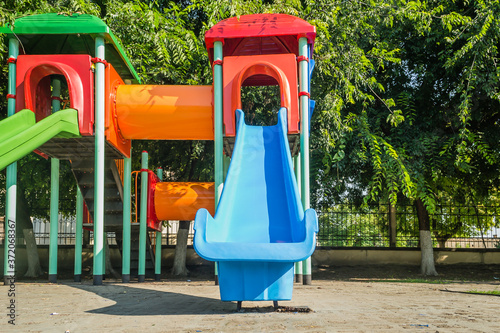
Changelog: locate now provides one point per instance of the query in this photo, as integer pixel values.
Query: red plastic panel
(248, 34)
(260, 70)
(152, 220)
(33, 85)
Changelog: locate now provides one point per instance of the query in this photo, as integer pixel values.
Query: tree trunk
(109, 267)
(24, 224)
(86, 238)
(179, 267)
(392, 226)
(34, 269)
(427, 263)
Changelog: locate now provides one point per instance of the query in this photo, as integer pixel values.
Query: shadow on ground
(132, 301)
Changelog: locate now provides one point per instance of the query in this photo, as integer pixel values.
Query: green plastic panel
(63, 124)
(70, 34)
(16, 123)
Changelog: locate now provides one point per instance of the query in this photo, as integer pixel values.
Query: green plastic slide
(20, 134)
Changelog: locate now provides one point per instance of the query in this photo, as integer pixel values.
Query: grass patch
(488, 292)
(427, 281)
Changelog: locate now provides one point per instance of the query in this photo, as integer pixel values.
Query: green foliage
(346, 225)
(261, 105)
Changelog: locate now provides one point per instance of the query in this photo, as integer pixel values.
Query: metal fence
(369, 226)
(67, 229)
(349, 226)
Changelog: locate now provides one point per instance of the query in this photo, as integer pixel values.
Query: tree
(412, 108)
(25, 225)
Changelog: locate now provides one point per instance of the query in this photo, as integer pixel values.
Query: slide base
(255, 281)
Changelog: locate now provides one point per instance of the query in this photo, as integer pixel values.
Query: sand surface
(194, 306)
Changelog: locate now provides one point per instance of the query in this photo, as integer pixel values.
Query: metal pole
(144, 216)
(54, 193)
(298, 265)
(54, 218)
(218, 119)
(78, 235)
(304, 139)
(218, 134)
(159, 173)
(9, 270)
(227, 161)
(99, 261)
(126, 219)
(56, 94)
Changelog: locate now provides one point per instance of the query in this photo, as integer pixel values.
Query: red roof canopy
(259, 34)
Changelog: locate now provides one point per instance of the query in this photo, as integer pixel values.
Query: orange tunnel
(155, 112)
(181, 201)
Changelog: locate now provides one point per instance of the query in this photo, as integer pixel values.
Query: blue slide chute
(260, 228)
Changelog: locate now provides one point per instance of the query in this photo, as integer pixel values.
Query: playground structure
(262, 226)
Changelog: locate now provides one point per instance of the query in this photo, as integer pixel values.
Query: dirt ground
(342, 299)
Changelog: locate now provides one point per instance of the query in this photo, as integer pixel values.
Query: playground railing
(120, 165)
(347, 225)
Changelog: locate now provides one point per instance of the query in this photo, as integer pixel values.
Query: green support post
(296, 166)
(54, 218)
(104, 240)
(56, 92)
(99, 262)
(304, 140)
(143, 218)
(78, 235)
(218, 134)
(54, 194)
(159, 173)
(127, 188)
(9, 271)
(227, 161)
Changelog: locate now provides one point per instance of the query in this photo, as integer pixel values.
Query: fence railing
(67, 229)
(350, 226)
(369, 226)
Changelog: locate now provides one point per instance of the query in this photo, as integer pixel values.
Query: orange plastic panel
(280, 67)
(261, 68)
(113, 134)
(151, 112)
(181, 201)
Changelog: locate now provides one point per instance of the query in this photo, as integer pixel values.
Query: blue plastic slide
(260, 228)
